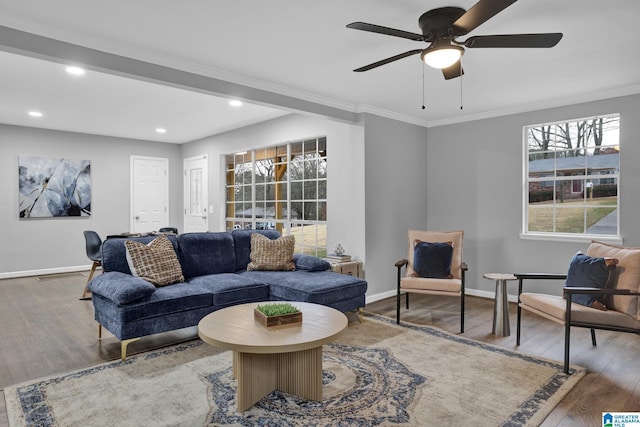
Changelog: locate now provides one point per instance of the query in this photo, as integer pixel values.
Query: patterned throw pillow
(155, 262)
(267, 254)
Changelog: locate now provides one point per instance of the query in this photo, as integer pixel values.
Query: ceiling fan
(442, 26)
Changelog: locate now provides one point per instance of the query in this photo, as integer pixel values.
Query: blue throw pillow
(587, 272)
(433, 260)
(310, 263)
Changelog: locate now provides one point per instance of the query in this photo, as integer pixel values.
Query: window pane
(541, 219)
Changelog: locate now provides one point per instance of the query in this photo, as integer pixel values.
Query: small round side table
(501, 304)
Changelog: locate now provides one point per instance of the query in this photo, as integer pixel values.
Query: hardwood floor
(46, 330)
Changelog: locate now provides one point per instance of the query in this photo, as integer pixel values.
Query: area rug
(377, 373)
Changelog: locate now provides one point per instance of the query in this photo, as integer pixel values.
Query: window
(284, 188)
(572, 174)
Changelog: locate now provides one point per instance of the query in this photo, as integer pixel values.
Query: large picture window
(572, 175)
(283, 187)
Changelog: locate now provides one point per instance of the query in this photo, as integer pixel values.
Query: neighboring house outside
(591, 172)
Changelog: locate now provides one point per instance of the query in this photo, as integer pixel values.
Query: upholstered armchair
(600, 292)
(433, 266)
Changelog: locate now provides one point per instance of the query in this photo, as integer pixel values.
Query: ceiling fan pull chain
(423, 85)
(460, 62)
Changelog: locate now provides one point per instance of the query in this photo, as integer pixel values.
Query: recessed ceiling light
(76, 71)
(235, 103)
(161, 130)
(35, 113)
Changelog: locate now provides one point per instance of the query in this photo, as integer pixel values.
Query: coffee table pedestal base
(258, 374)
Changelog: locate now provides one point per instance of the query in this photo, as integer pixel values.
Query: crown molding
(578, 99)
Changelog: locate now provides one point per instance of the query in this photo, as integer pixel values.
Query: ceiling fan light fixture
(442, 56)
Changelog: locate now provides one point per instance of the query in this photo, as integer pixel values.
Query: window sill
(558, 237)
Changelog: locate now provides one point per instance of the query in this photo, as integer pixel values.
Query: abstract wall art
(53, 187)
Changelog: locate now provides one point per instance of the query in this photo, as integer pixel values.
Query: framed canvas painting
(52, 187)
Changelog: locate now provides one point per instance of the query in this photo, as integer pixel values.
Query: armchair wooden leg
(398, 306)
(567, 334)
(462, 313)
(593, 337)
(519, 316)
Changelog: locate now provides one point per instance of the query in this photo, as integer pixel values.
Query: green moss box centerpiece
(280, 313)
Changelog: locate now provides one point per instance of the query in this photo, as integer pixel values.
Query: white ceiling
(302, 49)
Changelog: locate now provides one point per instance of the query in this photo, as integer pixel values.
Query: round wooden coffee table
(286, 357)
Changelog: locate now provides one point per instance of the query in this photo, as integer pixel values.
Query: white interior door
(196, 194)
(149, 194)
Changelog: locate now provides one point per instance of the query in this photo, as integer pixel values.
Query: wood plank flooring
(46, 330)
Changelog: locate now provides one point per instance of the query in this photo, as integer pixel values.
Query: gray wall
(475, 183)
(396, 176)
(47, 245)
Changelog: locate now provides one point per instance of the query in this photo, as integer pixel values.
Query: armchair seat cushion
(430, 284)
(553, 307)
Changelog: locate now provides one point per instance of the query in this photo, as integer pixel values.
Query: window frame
(589, 176)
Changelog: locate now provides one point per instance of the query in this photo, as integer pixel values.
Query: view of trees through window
(572, 174)
(283, 188)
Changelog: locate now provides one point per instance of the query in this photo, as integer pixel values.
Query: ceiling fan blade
(385, 30)
(388, 60)
(453, 71)
(514, 40)
(480, 13)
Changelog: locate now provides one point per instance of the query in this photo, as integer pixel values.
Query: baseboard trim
(44, 271)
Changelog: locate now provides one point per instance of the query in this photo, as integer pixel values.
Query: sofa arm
(310, 263)
(121, 288)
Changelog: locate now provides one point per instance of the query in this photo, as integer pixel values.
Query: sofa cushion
(206, 253)
(625, 276)
(121, 288)
(165, 300)
(272, 255)
(155, 262)
(242, 245)
(320, 287)
(230, 289)
(114, 252)
(310, 263)
(588, 272)
(433, 260)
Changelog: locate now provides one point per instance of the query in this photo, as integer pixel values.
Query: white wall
(345, 170)
(40, 246)
(475, 183)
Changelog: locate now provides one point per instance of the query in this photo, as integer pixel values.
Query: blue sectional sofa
(214, 268)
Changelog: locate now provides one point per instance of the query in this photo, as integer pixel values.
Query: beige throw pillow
(267, 254)
(155, 262)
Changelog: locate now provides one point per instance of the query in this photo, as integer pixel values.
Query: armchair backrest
(455, 237)
(625, 276)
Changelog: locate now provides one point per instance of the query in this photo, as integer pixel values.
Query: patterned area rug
(377, 373)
